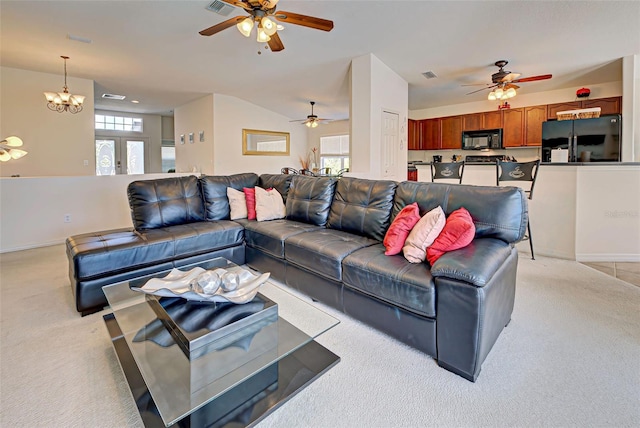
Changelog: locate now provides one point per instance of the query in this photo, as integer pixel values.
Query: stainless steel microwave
(485, 139)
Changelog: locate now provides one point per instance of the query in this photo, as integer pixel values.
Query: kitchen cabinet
(484, 120)
(431, 135)
(451, 132)
(612, 105)
(533, 118)
(513, 127)
(413, 137)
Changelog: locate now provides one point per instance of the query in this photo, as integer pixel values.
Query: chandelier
(8, 149)
(64, 101)
(503, 92)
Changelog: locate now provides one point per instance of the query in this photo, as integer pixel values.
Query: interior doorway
(121, 155)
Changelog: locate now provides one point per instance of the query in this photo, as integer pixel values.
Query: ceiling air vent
(429, 74)
(220, 8)
(113, 97)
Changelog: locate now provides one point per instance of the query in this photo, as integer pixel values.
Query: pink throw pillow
(250, 196)
(400, 228)
(458, 232)
(423, 234)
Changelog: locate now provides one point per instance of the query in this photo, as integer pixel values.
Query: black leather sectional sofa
(329, 246)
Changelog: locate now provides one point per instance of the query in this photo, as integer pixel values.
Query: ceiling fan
(260, 14)
(312, 121)
(504, 80)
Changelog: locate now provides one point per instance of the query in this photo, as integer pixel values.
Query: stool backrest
(307, 172)
(518, 171)
(287, 170)
(447, 170)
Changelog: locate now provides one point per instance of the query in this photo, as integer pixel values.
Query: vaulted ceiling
(151, 50)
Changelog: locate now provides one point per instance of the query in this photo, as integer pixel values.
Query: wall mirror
(269, 143)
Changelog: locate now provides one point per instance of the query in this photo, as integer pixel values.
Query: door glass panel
(105, 157)
(135, 157)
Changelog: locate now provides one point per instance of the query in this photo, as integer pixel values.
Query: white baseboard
(594, 257)
(31, 246)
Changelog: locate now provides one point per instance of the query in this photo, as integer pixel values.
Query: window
(118, 123)
(334, 152)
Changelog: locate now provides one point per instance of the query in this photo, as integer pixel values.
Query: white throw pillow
(423, 234)
(237, 203)
(269, 204)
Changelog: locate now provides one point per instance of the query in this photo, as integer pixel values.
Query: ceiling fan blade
(238, 3)
(511, 85)
(488, 87)
(275, 44)
(304, 20)
(532, 78)
(221, 26)
(477, 84)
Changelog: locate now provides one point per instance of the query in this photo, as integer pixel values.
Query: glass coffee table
(237, 378)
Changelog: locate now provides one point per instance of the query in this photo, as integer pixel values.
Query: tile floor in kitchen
(629, 272)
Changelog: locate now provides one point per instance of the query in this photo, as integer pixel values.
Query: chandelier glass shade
(8, 149)
(64, 101)
(312, 123)
(501, 94)
(266, 28)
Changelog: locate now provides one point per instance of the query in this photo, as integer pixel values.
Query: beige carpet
(569, 358)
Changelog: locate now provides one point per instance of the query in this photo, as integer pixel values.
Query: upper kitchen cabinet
(485, 120)
(612, 105)
(533, 118)
(513, 127)
(431, 134)
(413, 134)
(451, 132)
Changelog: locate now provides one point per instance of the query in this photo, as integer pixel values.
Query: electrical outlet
(86, 162)
(67, 218)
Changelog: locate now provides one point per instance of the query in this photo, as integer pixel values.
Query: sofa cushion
(423, 234)
(165, 202)
(103, 253)
(458, 232)
(214, 192)
(362, 207)
(391, 279)
(309, 199)
(269, 204)
(400, 228)
(497, 212)
(237, 204)
(250, 200)
(270, 236)
(322, 251)
(280, 182)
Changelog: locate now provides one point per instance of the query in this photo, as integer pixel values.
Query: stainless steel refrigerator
(587, 140)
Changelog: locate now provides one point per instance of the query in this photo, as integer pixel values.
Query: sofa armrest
(476, 263)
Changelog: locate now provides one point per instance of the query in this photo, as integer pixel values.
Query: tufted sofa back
(362, 207)
(497, 212)
(309, 199)
(280, 182)
(214, 192)
(165, 202)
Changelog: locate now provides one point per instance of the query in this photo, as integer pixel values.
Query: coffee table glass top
(180, 386)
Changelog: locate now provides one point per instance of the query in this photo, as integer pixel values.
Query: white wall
(376, 88)
(231, 116)
(194, 117)
(631, 108)
(151, 129)
(58, 144)
(33, 209)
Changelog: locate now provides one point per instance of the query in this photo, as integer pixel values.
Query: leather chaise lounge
(329, 246)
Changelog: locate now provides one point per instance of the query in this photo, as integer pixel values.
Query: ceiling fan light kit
(262, 14)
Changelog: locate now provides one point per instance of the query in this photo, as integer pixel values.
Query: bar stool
(523, 172)
(307, 172)
(447, 171)
(287, 170)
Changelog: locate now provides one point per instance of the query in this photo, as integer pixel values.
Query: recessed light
(135, 101)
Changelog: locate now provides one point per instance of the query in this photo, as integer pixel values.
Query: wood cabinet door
(533, 118)
(431, 137)
(451, 130)
(607, 105)
(513, 127)
(492, 119)
(472, 122)
(552, 109)
(413, 135)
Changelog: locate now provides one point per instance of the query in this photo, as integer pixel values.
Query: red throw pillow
(250, 196)
(399, 230)
(458, 232)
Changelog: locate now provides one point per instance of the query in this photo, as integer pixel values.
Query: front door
(120, 155)
(389, 145)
